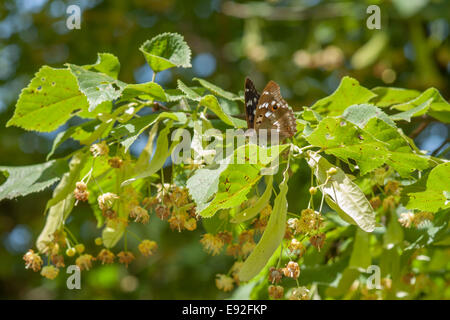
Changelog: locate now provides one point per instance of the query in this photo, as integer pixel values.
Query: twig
(436, 151)
(421, 127)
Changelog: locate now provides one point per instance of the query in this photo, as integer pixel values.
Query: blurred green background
(306, 46)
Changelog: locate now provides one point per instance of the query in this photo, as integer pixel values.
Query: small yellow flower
(80, 248)
(57, 260)
(106, 256)
(276, 292)
(147, 247)
(190, 224)
(292, 270)
(224, 282)
(81, 193)
(406, 219)
(178, 221)
(318, 240)
(235, 270)
(421, 217)
(125, 257)
(115, 162)
(84, 262)
(99, 149)
(32, 260)
(211, 243)
(50, 272)
(234, 250)
(139, 214)
(106, 200)
(296, 247)
(275, 275)
(301, 293)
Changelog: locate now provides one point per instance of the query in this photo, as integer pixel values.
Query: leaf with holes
(348, 93)
(51, 98)
(97, 87)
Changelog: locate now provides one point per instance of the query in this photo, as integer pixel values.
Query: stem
(153, 76)
(422, 126)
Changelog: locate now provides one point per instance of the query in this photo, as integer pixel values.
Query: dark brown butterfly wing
(274, 113)
(251, 97)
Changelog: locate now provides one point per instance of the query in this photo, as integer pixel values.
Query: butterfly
(268, 110)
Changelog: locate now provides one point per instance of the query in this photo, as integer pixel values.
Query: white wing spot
(268, 114)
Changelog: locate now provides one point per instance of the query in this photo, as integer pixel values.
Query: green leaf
(218, 91)
(414, 112)
(51, 98)
(238, 178)
(345, 140)
(371, 146)
(106, 63)
(147, 91)
(388, 96)
(431, 101)
(360, 257)
(190, 93)
(204, 184)
(174, 95)
(394, 232)
(436, 196)
(55, 221)
(112, 233)
(260, 204)
(437, 103)
(348, 93)
(166, 51)
(360, 114)
(272, 236)
(28, 179)
(400, 154)
(211, 102)
(160, 156)
(234, 184)
(134, 128)
(61, 203)
(344, 193)
(97, 87)
(70, 178)
(78, 132)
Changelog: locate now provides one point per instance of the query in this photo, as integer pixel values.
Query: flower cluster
(81, 192)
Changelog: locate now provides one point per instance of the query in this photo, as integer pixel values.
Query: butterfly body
(268, 110)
